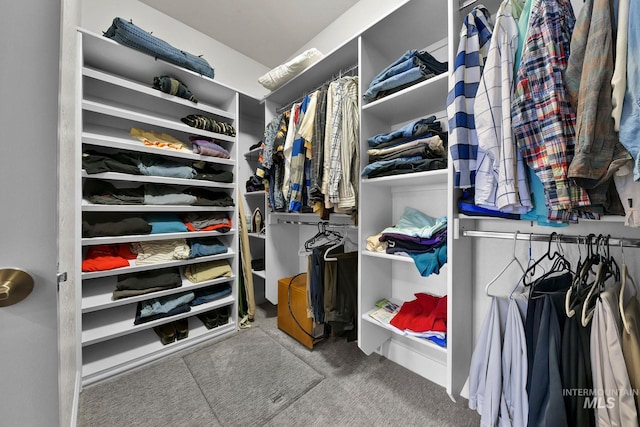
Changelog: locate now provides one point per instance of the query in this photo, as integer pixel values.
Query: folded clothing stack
(145, 282)
(199, 121)
(419, 236)
(425, 317)
(103, 192)
(415, 147)
(173, 86)
(411, 68)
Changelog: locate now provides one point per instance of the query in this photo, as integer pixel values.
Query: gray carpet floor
(262, 377)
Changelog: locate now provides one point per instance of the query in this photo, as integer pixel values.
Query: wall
(231, 67)
(351, 24)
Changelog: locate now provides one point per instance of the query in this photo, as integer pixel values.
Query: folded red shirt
(425, 313)
(107, 257)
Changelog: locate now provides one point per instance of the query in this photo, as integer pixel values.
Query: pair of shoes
(166, 332)
(256, 221)
(172, 331)
(214, 318)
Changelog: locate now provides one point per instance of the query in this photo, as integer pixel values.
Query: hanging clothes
(316, 198)
(294, 121)
(342, 158)
(543, 328)
(542, 118)
(475, 37)
(485, 372)
(299, 154)
(630, 117)
(616, 404)
(514, 403)
(501, 181)
(576, 372)
(598, 154)
(631, 345)
(619, 78)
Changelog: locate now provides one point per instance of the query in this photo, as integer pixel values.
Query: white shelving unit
(384, 199)
(116, 95)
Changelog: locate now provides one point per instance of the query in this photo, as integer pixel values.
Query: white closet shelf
(115, 356)
(137, 268)
(391, 257)
(96, 295)
(108, 108)
(259, 273)
(131, 85)
(258, 235)
(89, 207)
(432, 178)
(105, 54)
(89, 241)
(430, 95)
(440, 352)
(311, 217)
(255, 193)
(109, 324)
(121, 140)
(117, 176)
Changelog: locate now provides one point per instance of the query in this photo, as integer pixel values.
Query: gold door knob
(15, 285)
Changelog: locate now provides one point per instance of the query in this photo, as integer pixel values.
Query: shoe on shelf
(182, 328)
(210, 319)
(223, 315)
(166, 332)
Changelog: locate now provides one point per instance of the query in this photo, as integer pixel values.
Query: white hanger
(624, 275)
(567, 299)
(586, 313)
(342, 241)
(514, 258)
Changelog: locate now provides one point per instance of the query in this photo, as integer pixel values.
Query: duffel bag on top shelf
(128, 34)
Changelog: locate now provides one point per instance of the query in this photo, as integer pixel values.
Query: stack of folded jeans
(415, 147)
(411, 68)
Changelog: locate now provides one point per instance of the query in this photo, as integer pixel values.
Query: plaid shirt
(475, 36)
(543, 119)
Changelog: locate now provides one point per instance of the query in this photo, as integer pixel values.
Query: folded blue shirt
(417, 224)
(165, 223)
(206, 247)
(430, 262)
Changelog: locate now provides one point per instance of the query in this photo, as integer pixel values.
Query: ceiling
(268, 31)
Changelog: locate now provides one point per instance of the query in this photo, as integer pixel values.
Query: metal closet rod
(336, 76)
(327, 224)
(537, 237)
